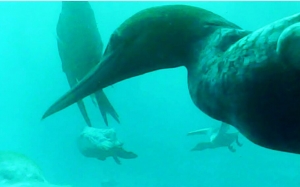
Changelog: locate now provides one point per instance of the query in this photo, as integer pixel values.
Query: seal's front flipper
(125, 154)
(202, 146)
(117, 160)
(238, 142)
(231, 148)
(72, 82)
(199, 132)
(105, 106)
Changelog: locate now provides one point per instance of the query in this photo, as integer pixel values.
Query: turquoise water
(155, 109)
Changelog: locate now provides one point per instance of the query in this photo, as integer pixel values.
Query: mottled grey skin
(80, 49)
(101, 144)
(17, 170)
(246, 79)
(218, 137)
(254, 85)
(16, 167)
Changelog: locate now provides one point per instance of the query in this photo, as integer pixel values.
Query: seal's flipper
(199, 132)
(232, 149)
(105, 106)
(125, 154)
(84, 112)
(202, 146)
(117, 160)
(93, 100)
(238, 142)
(72, 82)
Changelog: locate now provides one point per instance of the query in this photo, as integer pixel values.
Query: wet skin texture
(249, 80)
(80, 49)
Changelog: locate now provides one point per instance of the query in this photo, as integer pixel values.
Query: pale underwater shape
(102, 143)
(218, 137)
(17, 170)
(101, 139)
(32, 184)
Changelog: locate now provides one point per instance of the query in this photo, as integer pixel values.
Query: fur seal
(218, 137)
(102, 143)
(80, 49)
(249, 80)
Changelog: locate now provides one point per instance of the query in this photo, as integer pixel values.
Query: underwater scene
(150, 94)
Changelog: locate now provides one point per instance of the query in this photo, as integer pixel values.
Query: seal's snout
(288, 46)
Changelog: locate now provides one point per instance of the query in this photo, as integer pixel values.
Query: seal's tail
(72, 80)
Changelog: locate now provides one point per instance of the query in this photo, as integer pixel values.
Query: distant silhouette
(219, 137)
(102, 143)
(80, 49)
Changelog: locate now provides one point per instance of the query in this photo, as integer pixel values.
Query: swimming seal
(246, 79)
(101, 144)
(218, 137)
(80, 49)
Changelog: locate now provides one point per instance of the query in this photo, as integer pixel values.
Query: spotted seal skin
(80, 49)
(247, 79)
(16, 167)
(17, 170)
(101, 144)
(254, 85)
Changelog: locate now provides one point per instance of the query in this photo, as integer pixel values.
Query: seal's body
(101, 144)
(80, 49)
(253, 85)
(218, 137)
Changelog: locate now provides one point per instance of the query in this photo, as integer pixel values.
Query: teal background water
(155, 109)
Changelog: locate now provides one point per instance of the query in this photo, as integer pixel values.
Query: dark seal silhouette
(80, 49)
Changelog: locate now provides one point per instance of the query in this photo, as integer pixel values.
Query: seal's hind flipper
(117, 160)
(202, 146)
(72, 82)
(126, 154)
(93, 99)
(231, 148)
(105, 106)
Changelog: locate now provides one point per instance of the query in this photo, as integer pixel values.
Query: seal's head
(152, 39)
